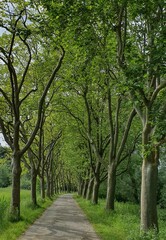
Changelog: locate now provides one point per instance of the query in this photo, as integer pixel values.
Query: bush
(25, 182)
(5, 180)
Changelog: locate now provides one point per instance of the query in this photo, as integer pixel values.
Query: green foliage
(25, 182)
(5, 175)
(5, 167)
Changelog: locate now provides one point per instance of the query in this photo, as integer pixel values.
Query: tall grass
(121, 224)
(10, 230)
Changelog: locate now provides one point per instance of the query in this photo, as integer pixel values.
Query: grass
(122, 224)
(29, 213)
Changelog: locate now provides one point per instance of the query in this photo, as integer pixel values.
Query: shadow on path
(64, 220)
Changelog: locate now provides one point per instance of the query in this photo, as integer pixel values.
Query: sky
(2, 141)
(1, 31)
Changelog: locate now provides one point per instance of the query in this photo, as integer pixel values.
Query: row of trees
(106, 90)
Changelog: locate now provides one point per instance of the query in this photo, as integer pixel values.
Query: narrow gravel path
(64, 220)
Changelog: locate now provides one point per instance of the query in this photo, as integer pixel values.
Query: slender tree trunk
(80, 186)
(90, 189)
(85, 188)
(149, 197)
(48, 191)
(96, 184)
(15, 201)
(149, 218)
(52, 186)
(111, 186)
(42, 187)
(95, 194)
(57, 185)
(33, 186)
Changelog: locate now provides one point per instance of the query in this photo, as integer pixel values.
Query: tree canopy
(83, 97)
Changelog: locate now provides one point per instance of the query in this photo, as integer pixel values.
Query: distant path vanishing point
(63, 220)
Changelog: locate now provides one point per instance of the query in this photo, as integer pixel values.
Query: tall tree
(17, 63)
(140, 51)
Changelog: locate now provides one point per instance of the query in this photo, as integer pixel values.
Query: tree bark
(80, 186)
(33, 186)
(48, 191)
(149, 218)
(85, 188)
(52, 185)
(42, 187)
(149, 197)
(90, 189)
(95, 194)
(111, 186)
(96, 185)
(15, 201)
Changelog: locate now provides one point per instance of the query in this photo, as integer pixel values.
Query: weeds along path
(64, 220)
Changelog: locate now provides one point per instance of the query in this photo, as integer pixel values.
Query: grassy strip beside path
(29, 213)
(122, 224)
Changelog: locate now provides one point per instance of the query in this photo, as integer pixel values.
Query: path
(64, 220)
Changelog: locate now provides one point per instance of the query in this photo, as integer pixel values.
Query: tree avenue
(81, 81)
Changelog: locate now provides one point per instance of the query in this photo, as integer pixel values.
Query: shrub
(5, 180)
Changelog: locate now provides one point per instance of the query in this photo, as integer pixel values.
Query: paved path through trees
(64, 220)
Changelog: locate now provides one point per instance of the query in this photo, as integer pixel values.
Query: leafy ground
(122, 224)
(10, 230)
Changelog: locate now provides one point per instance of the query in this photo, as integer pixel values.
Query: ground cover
(122, 224)
(11, 230)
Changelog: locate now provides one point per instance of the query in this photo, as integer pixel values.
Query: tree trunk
(42, 187)
(15, 201)
(149, 183)
(96, 185)
(52, 186)
(33, 186)
(80, 186)
(90, 189)
(149, 196)
(48, 191)
(95, 194)
(111, 185)
(85, 188)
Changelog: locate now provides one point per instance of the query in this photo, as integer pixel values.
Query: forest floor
(63, 220)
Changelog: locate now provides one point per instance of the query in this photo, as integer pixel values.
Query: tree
(140, 51)
(13, 91)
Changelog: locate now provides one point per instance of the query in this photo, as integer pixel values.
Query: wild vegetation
(82, 98)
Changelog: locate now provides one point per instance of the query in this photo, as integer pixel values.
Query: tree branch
(41, 102)
(6, 97)
(33, 90)
(157, 90)
(125, 135)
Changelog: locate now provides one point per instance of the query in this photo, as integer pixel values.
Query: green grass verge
(122, 224)
(29, 213)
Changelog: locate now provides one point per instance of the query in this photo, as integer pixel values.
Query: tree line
(82, 93)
